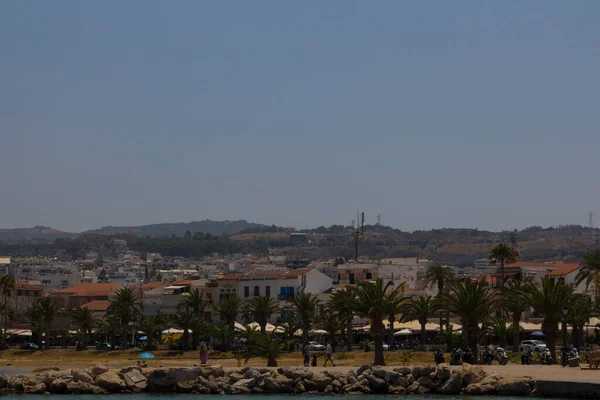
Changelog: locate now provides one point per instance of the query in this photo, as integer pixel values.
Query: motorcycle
(438, 356)
(500, 355)
(468, 357)
(456, 357)
(546, 357)
(487, 356)
(526, 357)
(572, 354)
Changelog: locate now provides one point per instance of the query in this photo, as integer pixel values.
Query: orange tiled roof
(27, 286)
(96, 305)
(152, 285)
(564, 270)
(182, 282)
(91, 289)
(277, 274)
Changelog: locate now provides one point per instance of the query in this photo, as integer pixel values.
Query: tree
(261, 309)
(377, 301)
(102, 277)
(549, 300)
(86, 320)
(125, 304)
(514, 300)
(7, 285)
(110, 328)
(184, 319)
(42, 313)
(498, 327)
(579, 314)
(473, 302)
(589, 271)
(268, 348)
(288, 327)
(195, 301)
(229, 310)
(340, 303)
(152, 327)
(331, 323)
(503, 254)
(305, 306)
(419, 308)
(438, 275)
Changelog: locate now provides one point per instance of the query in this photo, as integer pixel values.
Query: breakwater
(469, 380)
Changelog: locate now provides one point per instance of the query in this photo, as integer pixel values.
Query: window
(369, 275)
(268, 291)
(351, 277)
(246, 291)
(256, 291)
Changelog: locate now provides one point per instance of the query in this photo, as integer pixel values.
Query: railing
(284, 297)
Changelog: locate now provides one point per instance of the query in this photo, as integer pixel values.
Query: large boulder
(111, 382)
(80, 387)
(186, 387)
(249, 383)
(414, 387)
(400, 381)
(452, 386)
(252, 374)
(212, 371)
(159, 378)
(38, 388)
(97, 370)
(399, 390)
(443, 372)
(58, 386)
(182, 374)
(426, 382)
(336, 385)
(322, 381)
(309, 386)
(514, 387)
(378, 372)
(3, 381)
(472, 374)
(428, 369)
(578, 390)
(15, 383)
(361, 386)
(416, 372)
(480, 389)
(390, 376)
(135, 380)
(403, 370)
(82, 376)
(363, 369)
(277, 384)
(377, 385)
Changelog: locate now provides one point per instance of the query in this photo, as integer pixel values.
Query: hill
(35, 234)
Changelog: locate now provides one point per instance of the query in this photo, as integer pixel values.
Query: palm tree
(268, 348)
(549, 301)
(229, 310)
(377, 301)
(7, 285)
(473, 302)
(42, 313)
(419, 308)
(305, 306)
(287, 327)
(125, 304)
(515, 301)
(87, 321)
(261, 309)
(340, 304)
(579, 314)
(110, 327)
(331, 323)
(498, 327)
(194, 300)
(438, 275)
(503, 254)
(152, 327)
(184, 319)
(589, 271)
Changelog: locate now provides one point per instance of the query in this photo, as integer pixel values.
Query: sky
(478, 114)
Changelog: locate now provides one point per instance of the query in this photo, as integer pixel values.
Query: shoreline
(471, 380)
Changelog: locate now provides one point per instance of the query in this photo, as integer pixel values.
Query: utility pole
(358, 233)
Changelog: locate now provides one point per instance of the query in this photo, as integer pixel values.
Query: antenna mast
(358, 232)
(591, 220)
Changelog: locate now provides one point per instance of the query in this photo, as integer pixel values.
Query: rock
(397, 390)
(135, 380)
(58, 386)
(334, 375)
(433, 376)
(363, 369)
(351, 379)
(322, 381)
(310, 386)
(400, 381)
(234, 376)
(443, 372)
(403, 370)
(391, 376)
(428, 369)
(414, 387)
(379, 372)
(32, 380)
(426, 382)
(97, 370)
(38, 388)
(249, 382)
(328, 389)
(213, 371)
(299, 388)
(159, 378)
(110, 382)
(182, 374)
(187, 386)
(336, 386)
(15, 383)
(377, 385)
(82, 376)
(451, 386)
(410, 379)
(3, 381)
(416, 372)
(472, 374)
(302, 373)
(480, 389)
(125, 370)
(280, 384)
(514, 387)
(252, 374)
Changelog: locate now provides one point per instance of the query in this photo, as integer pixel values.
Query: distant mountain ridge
(46, 234)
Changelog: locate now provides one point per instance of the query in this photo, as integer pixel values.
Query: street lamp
(565, 310)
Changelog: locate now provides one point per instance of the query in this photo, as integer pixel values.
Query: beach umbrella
(537, 333)
(146, 355)
(144, 338)
(403, 332)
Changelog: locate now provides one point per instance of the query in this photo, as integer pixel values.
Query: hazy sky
(432, 114)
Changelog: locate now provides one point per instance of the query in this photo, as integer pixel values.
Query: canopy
(146, 355)
(403, 332)
(172, 331)
(412, 325)
(269, 328)
(537, 333)
(318, 332)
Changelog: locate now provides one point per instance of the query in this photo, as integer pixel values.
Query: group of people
(306, 354)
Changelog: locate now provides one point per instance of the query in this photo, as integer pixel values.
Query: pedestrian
(314, 360)
(329, 351)
(203, 353)
(305, 354)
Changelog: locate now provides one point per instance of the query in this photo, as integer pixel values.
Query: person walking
(329, 352)
(203, 353)
(305, 354)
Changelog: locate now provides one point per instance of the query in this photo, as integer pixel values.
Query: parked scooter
(487, 356)
(526, 356)
(500, 355)
(546, 357)
(468, 356)
(438, 356)
(572, 354)
(456, 357)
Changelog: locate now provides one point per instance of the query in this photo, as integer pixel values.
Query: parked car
(30, 346)
(315, 346)
(532, 345)
(106, 347)
(386, 346)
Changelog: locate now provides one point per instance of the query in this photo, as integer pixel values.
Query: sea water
(171, 396)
